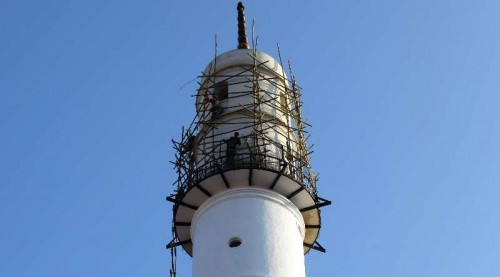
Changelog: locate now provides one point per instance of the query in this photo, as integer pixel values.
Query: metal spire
(242, 33)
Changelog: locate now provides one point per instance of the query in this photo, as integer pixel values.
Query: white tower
(246, 202)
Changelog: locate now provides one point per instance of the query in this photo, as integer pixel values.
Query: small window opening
(221, 90)
(234, 242)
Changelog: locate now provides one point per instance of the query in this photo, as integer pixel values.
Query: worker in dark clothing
(231, 148)
(190, 143)
(189, 150)
(190, 147)
(216, 108)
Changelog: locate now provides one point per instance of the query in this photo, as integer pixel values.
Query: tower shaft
(248, 232)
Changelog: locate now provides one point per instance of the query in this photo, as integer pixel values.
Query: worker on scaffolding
(190, 143)
(206, 97)
(216, 108)
(231, 148)
(190, 148)
(187, 155)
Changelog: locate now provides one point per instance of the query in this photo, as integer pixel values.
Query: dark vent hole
(234, 242)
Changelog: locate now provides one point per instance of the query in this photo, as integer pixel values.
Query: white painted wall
(270, 227)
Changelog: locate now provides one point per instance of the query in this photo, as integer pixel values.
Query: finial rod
(242, 32)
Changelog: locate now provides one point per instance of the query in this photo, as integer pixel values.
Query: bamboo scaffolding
(203, 136)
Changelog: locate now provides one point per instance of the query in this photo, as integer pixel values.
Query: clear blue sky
(404, 97)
